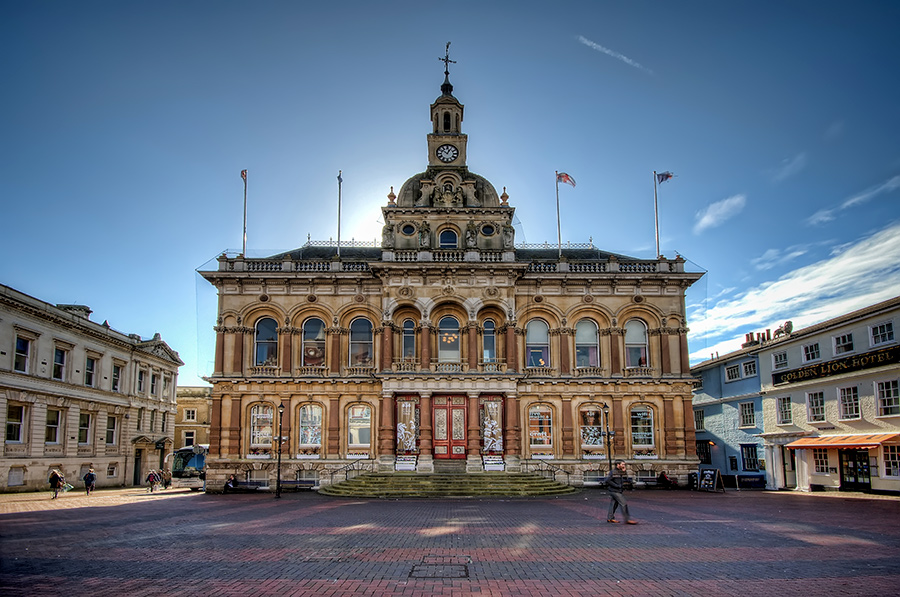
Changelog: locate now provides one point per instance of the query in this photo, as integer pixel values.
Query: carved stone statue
(471, 235)
(387, 236)
(424, 235)
(509, 235)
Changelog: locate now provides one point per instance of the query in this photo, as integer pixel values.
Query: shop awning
(872, 440)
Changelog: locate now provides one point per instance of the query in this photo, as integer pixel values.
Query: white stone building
(831, 405)
(75, 394)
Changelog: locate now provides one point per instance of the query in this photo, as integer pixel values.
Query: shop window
(587, 344)
(642, 427)
(262, 417)
(887, 394)
(266, 342)
(310, 425)
(540, 426)
(448, 340)
(636, 343)
(892, 461)
(849, 403)
(785, 412)
(313, 348)
(15, 423)
(361, 343)
(537, 344)
(359, 427)
(591, 416)
(820, 460)
(408, 341)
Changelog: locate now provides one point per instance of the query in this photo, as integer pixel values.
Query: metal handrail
(544, 467)
(347, 468)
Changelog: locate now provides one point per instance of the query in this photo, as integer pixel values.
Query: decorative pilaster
(387, 426)
(218, 368)
(426, 435)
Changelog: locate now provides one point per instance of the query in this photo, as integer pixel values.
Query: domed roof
(410, 194)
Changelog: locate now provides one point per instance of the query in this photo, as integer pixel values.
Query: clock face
(447, 153)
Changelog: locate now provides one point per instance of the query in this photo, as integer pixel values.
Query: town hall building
(449, 347)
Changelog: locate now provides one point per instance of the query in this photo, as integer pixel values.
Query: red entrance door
(449, 425)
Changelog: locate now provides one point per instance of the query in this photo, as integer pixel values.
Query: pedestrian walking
(56, 480)
(89, 479)
(166, 478)
(615, 484)
(152, 481)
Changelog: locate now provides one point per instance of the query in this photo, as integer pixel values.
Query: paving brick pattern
(128, 542)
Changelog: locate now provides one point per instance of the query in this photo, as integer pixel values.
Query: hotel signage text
(866, 360)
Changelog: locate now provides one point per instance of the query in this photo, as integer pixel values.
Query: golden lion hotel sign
(867, 360)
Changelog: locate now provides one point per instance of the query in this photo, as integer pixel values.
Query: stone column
(684, 366)
(664, 350)
(237, 363)
(473, 435)
(218, 368)
(334, 428)
(568, 427)
(425, 430)
(387, 345)
(512, 349)
(565, 335)
(285, 340)
(472, 338)
(616, 350)
(620, 420)
(512, 429)
(215, 427)
(388, 425)
(335, 358)
(234, 449)
(670, 444)
(425, 335)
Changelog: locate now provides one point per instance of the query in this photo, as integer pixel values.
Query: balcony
(311, 371)
(539, 372)
(265, 371)
(639, 372)
(590, 372)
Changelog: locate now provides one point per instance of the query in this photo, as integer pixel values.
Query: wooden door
(449, 427)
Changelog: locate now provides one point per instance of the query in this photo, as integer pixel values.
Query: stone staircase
(437, 485)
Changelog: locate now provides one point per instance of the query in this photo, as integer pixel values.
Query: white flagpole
(340, 180)
(244, 249)
(558, 233)
(656, 213)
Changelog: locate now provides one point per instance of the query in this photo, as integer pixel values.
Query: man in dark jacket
(615, 484)
(89, 479)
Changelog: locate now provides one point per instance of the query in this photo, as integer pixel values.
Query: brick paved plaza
(127, 542)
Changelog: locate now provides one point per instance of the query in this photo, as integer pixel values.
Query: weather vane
(446, 60)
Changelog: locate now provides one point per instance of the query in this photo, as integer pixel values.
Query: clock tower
(446, 144)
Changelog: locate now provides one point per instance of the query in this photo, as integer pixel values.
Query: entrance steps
(437, 485)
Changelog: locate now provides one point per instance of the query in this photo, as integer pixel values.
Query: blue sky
(126, 125)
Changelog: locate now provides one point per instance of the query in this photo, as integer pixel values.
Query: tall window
(154, 384)
(448, 340)
(152, 421)
(313, 349)
(820, 460)
(361, 352)
(587, 344)
(540, 426)
(887, 394)
(116, 377)
(15, 423)
(849, 403)
(642, 427)
(635, 343)
(749, 457)
(815, 407)
(310, 425)
(189, 437)
(892, 461)
(84, 428)
(591, 426)
(140, 419)
(90, 368)
(537, 344)
(142, 376)
(59, 364)
(23, 351)
(732, 372)
(359, 426)
(785, 413)
(111, 426)
(699, 420)
(843, 344)
(749, 368)
(408, 341)
(266, 342)
(779, 360)
(811, 352)
(489, 341)
(448, 239)
(883, 332)
(51, 433)
(163, 418)
(261, 418)
(748, 414)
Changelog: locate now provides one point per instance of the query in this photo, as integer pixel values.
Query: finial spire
(447, 88)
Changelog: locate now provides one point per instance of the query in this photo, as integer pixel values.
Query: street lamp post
(608, 434)
(280, 442)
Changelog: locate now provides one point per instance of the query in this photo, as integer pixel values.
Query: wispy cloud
(826, 215)
(718, 212)
(775, 257)
(789, 167)
(614, 54)
(864, 272)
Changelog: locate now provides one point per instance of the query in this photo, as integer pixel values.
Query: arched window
(310, 426)
(359, 427)
(537, 344)
(313, 343)
(587, 346)
(642, 427)
(361, 343)
(408, 348)
(448, 239)
(448, 340)
(446, 122)
(591, 416)
(261, 418)
(489, 341)
(266, 342)
(636, 344)
(540, 426)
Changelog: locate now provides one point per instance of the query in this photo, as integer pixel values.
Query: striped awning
(871, 440)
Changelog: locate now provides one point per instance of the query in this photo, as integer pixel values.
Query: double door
(855, 470)
(449, 427)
